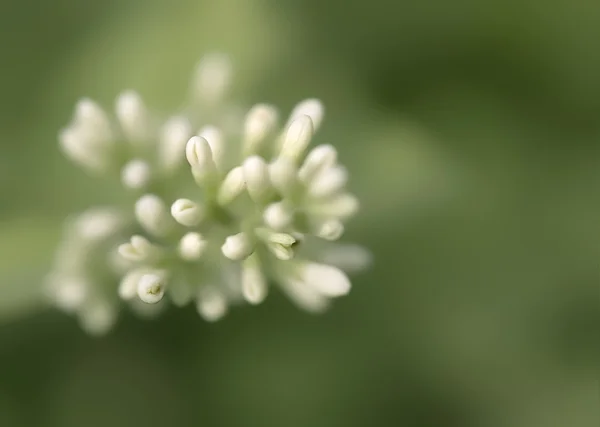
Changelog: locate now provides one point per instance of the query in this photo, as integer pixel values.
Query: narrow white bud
(318, 159)
(98, 317)
(187, 212)
(278, 216)
(151, 288)
(328, 183)
(312, 108)
(304, 296)
(256, 174)
(212, 78)
(280, 244)
(215, 139)
(133, 116)
(260, 122)
(298, 136)
(325, 279)
(211, 304)
(136, 174)
(200, 158)
(347, 257)
(77, 147)
(152, 214)
(69, 293)
(138, 249)
(254, 284)
(238, 247)
(342, 206)
(129, 284)
(233, 185)
(91, 117)
(97, 224)
(172, 142)
(284, 175)
(330, 230)
(192, 246)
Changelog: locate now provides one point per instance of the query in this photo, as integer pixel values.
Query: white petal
(325, 279)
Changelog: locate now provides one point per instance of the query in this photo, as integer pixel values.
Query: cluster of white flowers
(257, 208)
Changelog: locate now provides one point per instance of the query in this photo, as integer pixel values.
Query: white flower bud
(330, 230)
(318, 159)
(280, 244)
(200, 158)
(325, 279)
(151, 288)
(328, 183)
(211, 304)
(233, 185)
(152, 214)
(192, 246)
(212, 78)
(278, 216)
(256, 174)
(187, 212)
(172, 142)
(129, 284)
(98, 317)
(136, 174)
(138, 249)
(69, 293)
(284, 175)
(312, 108)
(298, 136)
(97, 224)
(304, 296)
(259, 124)
(133, 116)
(90, 117)
(254, 284)
(78, 148)
(238, 247)
(342, 206)
(349, 258)
(215, 140)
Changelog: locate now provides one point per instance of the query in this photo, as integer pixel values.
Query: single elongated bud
(216, 142)
(260, 123)
(233, 185)
(152, 214)
(341, 206)
(138, 249)
(312, 108)
(325, 279)
(192, 246)
(174, 136)
(279, 244)
(92, 119)
(98, 317)
(136, 174)
(212, 78)
(278, 216)
(187, 212)
(304, 296)
(319, 158)
(151, 287)
(258, 183)
(238, 247)
(97, 224)
(76, 146)
(284, 175)
(200, 158)
(254, 284)
(129, 284)
(298, 136)
(329, 182)
(329, 230)
(133, 116)
(211, 304)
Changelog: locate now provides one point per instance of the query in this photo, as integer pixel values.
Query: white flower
(255, 208)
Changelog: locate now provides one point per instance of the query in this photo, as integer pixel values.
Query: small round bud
(238, 247)
(133, 116)
(186, 212)
(259, 124)
(328, 183)
(136, 174)
(256, 174)
(152, 214)
(151, 288)
(212, 78)
(192, 246)
(330, 230)
(318, 159)
(138, 249)
(278, 216)
(211, 304)
(232, 186)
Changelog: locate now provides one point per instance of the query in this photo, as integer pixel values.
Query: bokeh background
(472, 131)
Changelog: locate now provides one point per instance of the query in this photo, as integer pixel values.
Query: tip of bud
(278, 216)
(312, 108)
(136, 174)
(237, 247)
(298, 136)
(192, 246)
(151, 288)
(186, 212)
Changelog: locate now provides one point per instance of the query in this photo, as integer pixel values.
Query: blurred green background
(472, 131)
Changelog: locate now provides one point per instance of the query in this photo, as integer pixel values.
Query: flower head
(256, 208)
